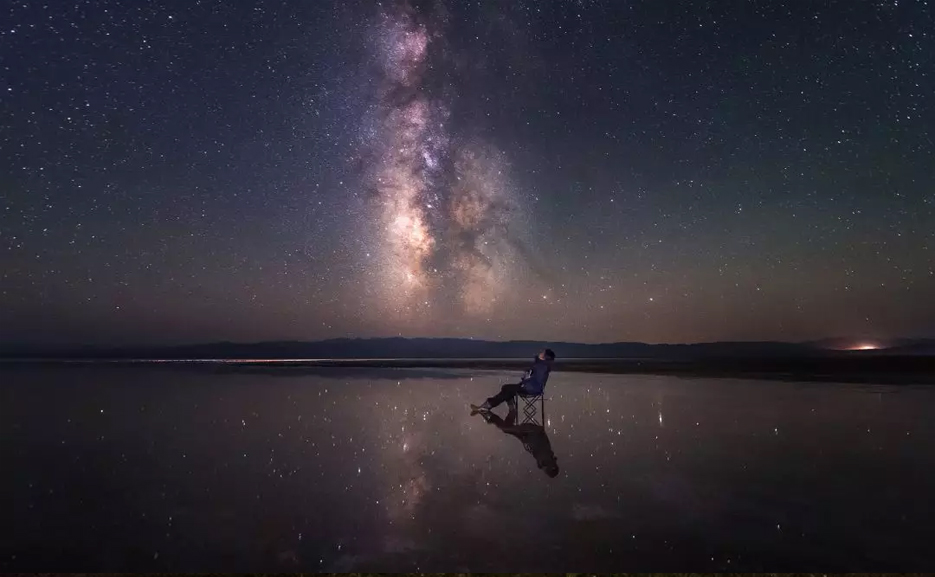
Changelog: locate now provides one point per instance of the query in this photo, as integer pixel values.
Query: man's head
(547, 355)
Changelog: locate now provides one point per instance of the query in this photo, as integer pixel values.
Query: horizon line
(866, 342)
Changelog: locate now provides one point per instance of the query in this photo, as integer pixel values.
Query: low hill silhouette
(418, 348)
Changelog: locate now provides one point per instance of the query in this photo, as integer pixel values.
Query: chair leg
(528, 409)
(532, 413)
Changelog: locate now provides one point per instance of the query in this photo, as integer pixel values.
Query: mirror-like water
(123, 468)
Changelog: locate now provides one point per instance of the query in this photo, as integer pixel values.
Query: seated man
(533, 383)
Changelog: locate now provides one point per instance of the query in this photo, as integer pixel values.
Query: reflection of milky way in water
(379, 470)
(442, 203)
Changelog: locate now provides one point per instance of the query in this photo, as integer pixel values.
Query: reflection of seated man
(534, 439)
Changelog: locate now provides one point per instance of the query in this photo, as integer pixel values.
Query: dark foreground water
(112, 469)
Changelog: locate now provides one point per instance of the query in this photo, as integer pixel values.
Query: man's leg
(506, 393)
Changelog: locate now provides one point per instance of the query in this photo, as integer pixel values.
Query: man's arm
(528, 374)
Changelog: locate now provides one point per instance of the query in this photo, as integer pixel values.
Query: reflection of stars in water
(398, 458)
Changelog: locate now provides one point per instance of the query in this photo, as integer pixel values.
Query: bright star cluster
(444, 205)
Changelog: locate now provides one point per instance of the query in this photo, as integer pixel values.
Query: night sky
(183, 171)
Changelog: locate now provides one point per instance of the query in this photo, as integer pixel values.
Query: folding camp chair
(533, 408)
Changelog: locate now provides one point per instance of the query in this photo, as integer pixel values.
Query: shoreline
(841, 369)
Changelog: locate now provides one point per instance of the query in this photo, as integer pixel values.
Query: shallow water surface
(153, 469)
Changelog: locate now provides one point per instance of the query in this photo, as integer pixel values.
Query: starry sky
(589, 171)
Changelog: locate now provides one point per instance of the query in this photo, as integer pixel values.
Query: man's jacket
(535, 378)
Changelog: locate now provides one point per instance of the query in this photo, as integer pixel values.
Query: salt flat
(168, 468)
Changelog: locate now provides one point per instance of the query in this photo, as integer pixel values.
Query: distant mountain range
(452, 348)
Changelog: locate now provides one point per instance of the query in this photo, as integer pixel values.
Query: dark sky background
(594, 171)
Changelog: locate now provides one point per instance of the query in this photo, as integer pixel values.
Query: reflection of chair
(532, 413)
(534, 438)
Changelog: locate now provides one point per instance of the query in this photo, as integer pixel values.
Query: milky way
(443, 202)
(180, 172)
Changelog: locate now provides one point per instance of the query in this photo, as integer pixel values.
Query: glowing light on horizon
(865, 347)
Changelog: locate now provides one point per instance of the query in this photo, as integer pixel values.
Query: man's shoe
(485, 408)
